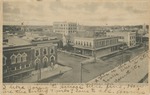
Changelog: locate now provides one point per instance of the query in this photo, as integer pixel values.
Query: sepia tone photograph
(68, 41)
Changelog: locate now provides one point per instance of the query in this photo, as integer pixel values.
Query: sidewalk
(71, 53)
(45, 73)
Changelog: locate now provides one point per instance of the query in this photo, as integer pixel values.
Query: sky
(87, 12)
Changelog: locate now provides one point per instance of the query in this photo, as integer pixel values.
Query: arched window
(24, 57)
(45, 51)
(37, 64)
(13, 59)
(4, 60)
(52, 58)
(81, 42)
(37, 52)
(19, 58)
(52, 51)
(45, 61)
(90, 44)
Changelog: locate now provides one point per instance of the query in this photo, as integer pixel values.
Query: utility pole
(94, 46)
(123, 48)
(122, 56)
(94, 55)
(81, 74)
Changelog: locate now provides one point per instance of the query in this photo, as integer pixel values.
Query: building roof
(122, 31)
(16, 41)
(91, 48)
(96, 38)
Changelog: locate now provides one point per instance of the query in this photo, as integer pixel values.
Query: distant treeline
(107, 28)
(17, 28)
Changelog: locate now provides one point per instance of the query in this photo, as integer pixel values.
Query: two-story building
(99, 46)
(19, 60)
(125, 36)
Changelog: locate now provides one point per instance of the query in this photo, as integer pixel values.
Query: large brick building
(19, 61)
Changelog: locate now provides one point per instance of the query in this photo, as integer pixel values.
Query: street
(72, 76)
(89, 71)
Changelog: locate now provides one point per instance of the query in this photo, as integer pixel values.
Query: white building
(67, 29)
(128, 37)
(101, 45)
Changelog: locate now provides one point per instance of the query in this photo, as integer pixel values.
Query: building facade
(99, 46)
(128, 37)
(67, 29)
(20, 61)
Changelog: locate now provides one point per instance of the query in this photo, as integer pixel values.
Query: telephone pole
(81, 74)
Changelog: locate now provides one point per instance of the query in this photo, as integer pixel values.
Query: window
(52, 58)
(110, 41)
(37, 64)
(107, 42)
(45, 51)
(18, 58)
(37, 53)
(23, 66)
(84, 43)
(45, 61)
(90, 44)
(13, 59)
(24, 57)
(4, 60)
(28, 65)
(18, 67)
(79, 42)
(116, 40)
(52, 51)
(99, 43)
(104, 42)
(13, 68)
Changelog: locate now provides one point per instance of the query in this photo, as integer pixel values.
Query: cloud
(92, 12)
